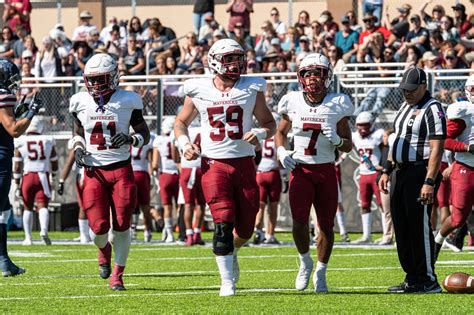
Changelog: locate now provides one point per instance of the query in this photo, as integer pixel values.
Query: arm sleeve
(455, 128)
(436, 120)
(137, 117)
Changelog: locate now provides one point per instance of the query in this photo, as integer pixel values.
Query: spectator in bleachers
(291, 42)
(370, 28)
(135, 28)
(304, 23)
(263, 40)
(60, 39)
(448, 31)
(304, 45)
(447, 91)
(327, 22)
(158, 34)
(132, 59)
(399, 26)
(190, 51)
(432, 21)
(217, 35)
(27, 58)
(206, 30)
(6, 46)
(154, 39)
(82, 53)
(17, 12)
(239, 37)
(418, 36)
(317, 33)
(196, 68)
(436, 40)
(461, 22)
(48, 61)
(239, 11)
(31, 46)
(114, 45)
(428, 61)
(172, 66)
(388, 56)
(200, 10)
(374, 7)
(27, 92)
(353, 21)
(413, 57)
(279, 26)
(84, 27)
(19, 45)
(347, 40)
(93, 39)
(335, 57)
(105, 33)
(371, 49)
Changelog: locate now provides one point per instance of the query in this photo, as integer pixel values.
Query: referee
(414, 161)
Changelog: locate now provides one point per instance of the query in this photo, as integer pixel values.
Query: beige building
(177, 14)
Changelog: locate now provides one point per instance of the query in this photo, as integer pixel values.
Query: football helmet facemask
(469, 89)
(226, 57)
(10, 77)
(315, 73)
(101, 75)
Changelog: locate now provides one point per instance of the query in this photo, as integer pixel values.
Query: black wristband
(387, 167)
(429, 182)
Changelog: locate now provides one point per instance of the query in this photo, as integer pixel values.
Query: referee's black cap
(413, 78)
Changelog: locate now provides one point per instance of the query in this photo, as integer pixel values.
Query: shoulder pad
(459, 110)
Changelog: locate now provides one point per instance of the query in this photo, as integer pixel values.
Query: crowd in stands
(440, 39)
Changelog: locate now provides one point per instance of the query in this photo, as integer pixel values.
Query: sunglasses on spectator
(388, 52)
(315, 26)
(368, 21)
(6, 32)
(190, 37)
(414, 20)
(332, 50)
(450, 58)
(273, 13)
(25, 58)
(135, 23)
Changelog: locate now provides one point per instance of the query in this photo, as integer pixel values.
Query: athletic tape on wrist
(16, 175)
(183, 140)
(138, 140)
(78, 141)
(260, 133)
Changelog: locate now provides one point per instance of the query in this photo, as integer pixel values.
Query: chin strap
(100, 106)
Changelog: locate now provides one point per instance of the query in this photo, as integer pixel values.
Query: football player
(142, 172)
(10, 128)
(190, 183)
(164, 164)
(84, 236)
(460, 139)
(269, 184)
(102, 119)
(35, 158)
(226, 104)
(367, 142)
(318, 119)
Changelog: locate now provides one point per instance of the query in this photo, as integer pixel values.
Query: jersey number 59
(233, 118)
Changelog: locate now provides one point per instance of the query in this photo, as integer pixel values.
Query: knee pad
(223, 240)
(100, 240)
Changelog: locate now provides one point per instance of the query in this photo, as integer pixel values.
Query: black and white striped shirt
(415, 126)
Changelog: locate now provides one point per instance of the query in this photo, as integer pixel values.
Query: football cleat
(258, 238)
(345, 238)
(304, 273)
(449, 243)
(319, 281)
(401, 288)
(437, 249)
(271, 241)
(105, 256)
(169, 238)
(46, 239)
(235, 269)
(227, 288)
(77, 239)
(164, 235)
(147, 235)
(363, 240)
(27, 242)
(9, 269)
(116, 281)
(385, 241)
(197, 240)
(189, 240)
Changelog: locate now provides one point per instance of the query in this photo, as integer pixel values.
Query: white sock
(122, 242)
(84, 228)
(341, 221)
(439, 238)
(189, 232)
(197, 230)
(135, 218)
(99, 240)
(367, 224)
(44, 220)
(28, 223)
(321, 269)
(305, 258)
(169, 225)
(147, 233)
(268, 236)
(225, 264)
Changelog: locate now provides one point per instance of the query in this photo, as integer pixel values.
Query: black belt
(112, 166)
(403, 165)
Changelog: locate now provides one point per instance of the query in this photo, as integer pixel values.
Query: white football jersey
(195, 138)
(36, 152)
(100, 127)
(370, 146)
(140, 161)
(269, 159)
(164, 145)
(311, 146)
(465, 111)
(225, 117)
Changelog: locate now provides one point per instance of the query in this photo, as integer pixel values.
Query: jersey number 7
(315, 130)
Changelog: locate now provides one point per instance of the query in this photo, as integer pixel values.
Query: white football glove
(286, 159)
(331, 135)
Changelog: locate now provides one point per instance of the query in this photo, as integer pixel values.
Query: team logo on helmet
(315, 73)
(101, 76)
(226, 57)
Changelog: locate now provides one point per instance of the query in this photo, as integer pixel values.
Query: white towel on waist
(45, 183)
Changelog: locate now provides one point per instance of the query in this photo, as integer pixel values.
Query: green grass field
(172, 279)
